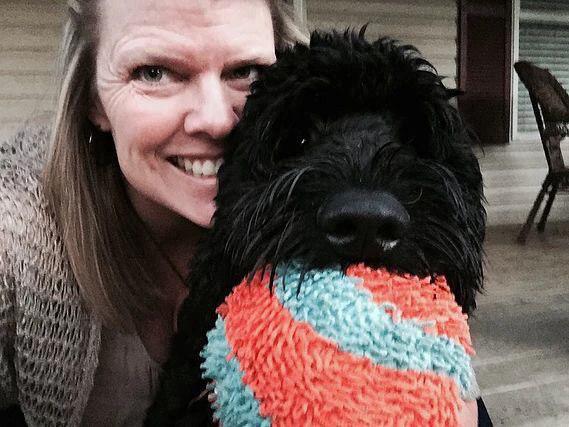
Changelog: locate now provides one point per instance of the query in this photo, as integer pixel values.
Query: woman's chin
(200, 214)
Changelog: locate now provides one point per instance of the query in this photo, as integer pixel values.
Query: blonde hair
(99, 228)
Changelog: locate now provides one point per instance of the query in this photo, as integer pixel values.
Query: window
(543, 40)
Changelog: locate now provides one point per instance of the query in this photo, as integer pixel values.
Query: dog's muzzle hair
(347, 151)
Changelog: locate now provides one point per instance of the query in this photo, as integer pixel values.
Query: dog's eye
(288, 148)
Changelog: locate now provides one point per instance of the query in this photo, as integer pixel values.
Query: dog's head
(349, 151)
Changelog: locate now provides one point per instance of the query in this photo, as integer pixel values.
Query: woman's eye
(249, 72)
(150, 73)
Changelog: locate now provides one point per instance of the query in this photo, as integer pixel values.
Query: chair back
(550, 103)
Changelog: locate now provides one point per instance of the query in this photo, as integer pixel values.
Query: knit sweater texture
(49, 343)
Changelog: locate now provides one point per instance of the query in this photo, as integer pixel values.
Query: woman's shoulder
(31, 248)
(24, 216)
(25, 153)
(22, 158)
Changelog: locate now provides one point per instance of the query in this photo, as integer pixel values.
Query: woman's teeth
(199, 167)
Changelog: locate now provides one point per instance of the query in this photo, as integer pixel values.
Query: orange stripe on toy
(300, 378)
(418, 299)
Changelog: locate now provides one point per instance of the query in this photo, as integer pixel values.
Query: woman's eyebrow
(154, 56)
(174, 61)
(251, 57)
(255, 60)
(159, 53)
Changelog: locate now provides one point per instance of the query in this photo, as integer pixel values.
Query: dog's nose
(363, 224)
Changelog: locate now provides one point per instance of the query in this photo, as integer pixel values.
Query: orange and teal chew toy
(365, 348)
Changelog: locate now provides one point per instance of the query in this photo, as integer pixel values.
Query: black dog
(347, 151)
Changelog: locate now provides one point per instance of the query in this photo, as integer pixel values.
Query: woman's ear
(98, 116)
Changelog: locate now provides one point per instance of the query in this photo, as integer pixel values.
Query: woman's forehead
(191, 19)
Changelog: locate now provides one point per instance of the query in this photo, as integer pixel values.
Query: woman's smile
(203, 167)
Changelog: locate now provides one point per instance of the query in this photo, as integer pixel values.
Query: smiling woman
(172, 88)
(95, 239)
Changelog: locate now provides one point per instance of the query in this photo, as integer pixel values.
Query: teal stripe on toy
(236, 405)
(344, 313)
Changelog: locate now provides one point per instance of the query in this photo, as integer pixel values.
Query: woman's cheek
(149, 122)
(238, 99)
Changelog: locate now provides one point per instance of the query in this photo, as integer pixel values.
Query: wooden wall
(29, 37)
(429, 25)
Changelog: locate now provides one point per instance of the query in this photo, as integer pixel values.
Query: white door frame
(300, 9)
(515, 46)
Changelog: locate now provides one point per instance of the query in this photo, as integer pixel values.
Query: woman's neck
(167, 227)
(173, 236)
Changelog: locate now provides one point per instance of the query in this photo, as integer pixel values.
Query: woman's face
(172, 78)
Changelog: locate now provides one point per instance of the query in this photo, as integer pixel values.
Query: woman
(95, 240)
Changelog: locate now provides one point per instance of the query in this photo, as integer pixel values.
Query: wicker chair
(551, 108)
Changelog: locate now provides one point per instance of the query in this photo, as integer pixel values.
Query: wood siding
(30, 31)
(429, 25)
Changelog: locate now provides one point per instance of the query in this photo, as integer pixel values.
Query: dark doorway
(485, 67)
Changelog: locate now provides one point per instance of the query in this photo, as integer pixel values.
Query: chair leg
(545, 214)
(529, 222)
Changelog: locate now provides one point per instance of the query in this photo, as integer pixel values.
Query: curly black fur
(342, 115)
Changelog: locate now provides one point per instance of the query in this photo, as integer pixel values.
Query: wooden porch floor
(521, 328)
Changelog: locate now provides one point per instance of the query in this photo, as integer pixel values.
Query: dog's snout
(363, 224)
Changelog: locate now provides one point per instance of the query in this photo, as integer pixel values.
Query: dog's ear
(408, 86)
(452, 143)
(437, 132)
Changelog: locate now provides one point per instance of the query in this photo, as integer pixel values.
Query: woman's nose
(213, 113)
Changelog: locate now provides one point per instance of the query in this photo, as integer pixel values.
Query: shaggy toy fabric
(364, 348)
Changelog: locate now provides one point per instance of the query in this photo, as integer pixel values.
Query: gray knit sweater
(49, 344)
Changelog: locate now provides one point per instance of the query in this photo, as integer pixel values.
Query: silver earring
(90, 137)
